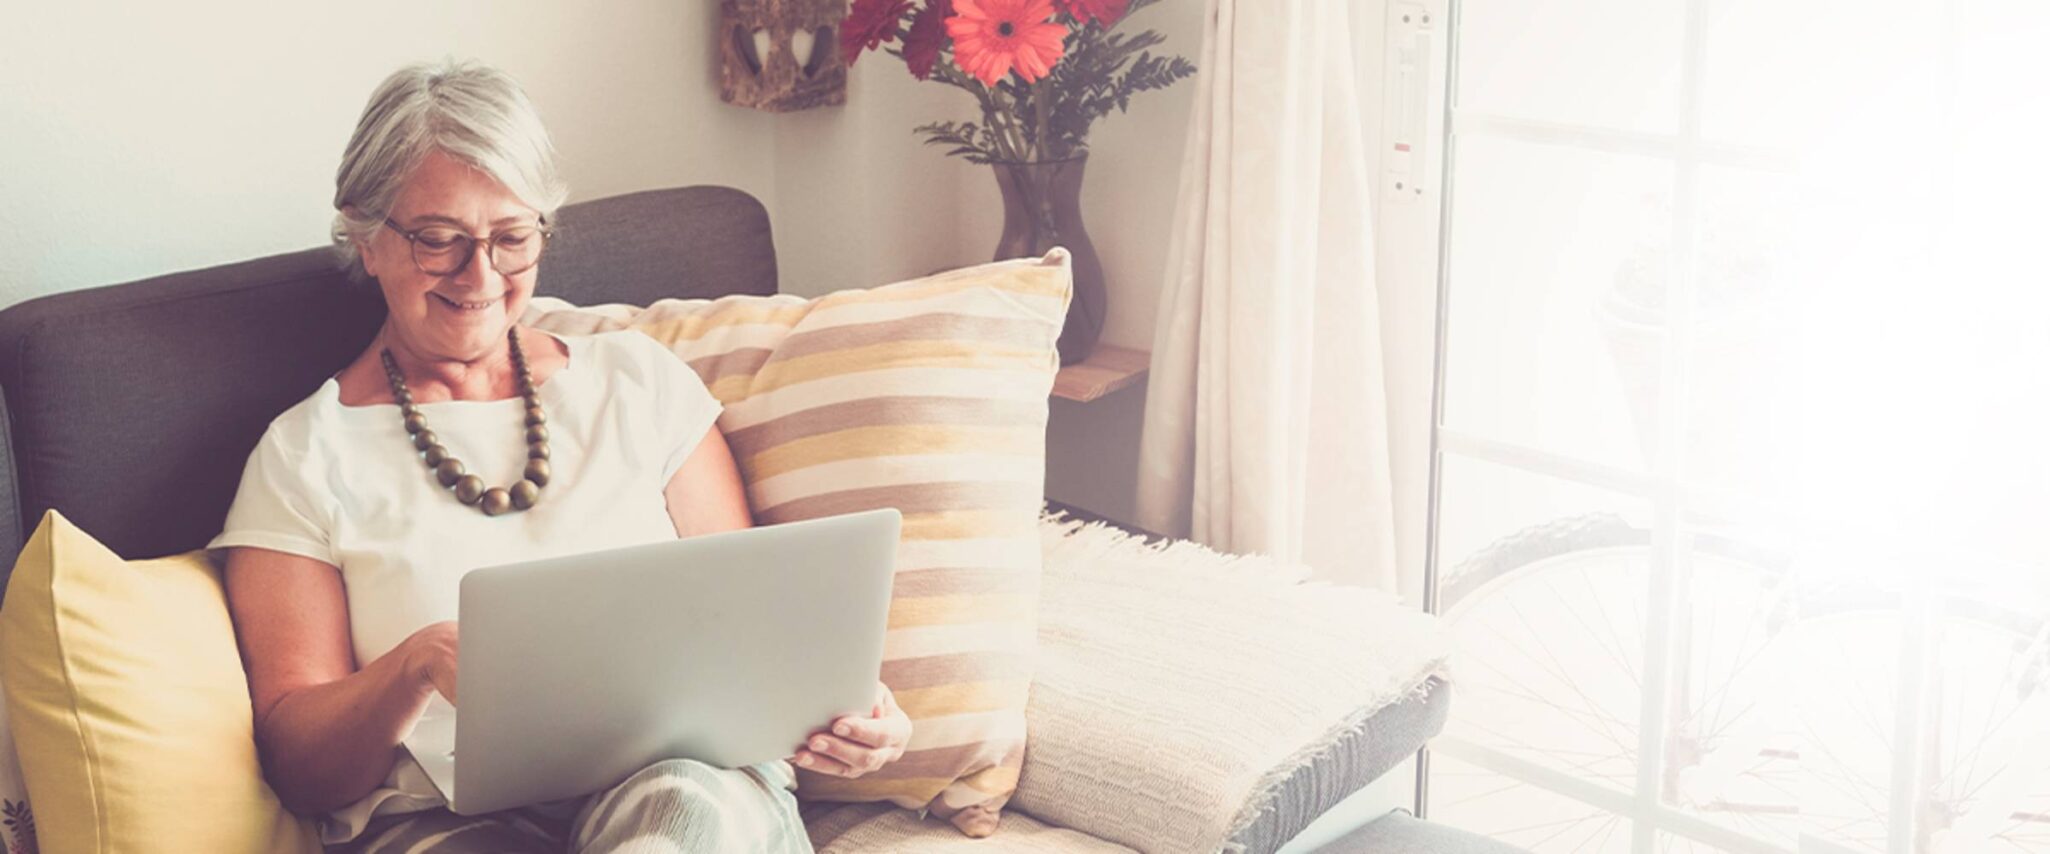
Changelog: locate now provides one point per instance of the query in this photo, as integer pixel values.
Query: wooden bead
(469, 488)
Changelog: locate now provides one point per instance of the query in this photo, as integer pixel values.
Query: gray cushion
(131, 408)
(1354, 760)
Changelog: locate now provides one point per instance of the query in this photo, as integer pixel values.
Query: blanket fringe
(1088, 548)
(1268, 789)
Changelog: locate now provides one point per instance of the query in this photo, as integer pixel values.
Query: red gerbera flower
(927, 35)
(993, 37)
(1106, 12)
(870, 23)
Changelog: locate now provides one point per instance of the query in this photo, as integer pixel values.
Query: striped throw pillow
(929, 396)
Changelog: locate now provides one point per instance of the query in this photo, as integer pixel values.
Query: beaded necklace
(470, 488)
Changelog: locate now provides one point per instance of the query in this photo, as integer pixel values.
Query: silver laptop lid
(729, 648)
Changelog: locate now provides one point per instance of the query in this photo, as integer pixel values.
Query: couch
(130, 408)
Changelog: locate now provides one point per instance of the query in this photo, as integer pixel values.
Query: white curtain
(1266, 424)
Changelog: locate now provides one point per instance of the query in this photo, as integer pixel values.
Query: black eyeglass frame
(541, 230)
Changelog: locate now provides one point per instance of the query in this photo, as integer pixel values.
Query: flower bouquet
(1043, 72)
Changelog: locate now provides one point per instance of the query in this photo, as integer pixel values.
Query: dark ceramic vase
(1042, 209)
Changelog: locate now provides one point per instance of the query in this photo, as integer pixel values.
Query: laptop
(730, 648)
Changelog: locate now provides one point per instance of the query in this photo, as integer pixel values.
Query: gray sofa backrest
(131, 408)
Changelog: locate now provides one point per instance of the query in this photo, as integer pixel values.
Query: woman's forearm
(327, 745)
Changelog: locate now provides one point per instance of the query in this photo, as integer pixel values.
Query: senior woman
(459, 438)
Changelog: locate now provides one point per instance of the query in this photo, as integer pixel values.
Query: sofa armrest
(1358, 755)
(1186, 700)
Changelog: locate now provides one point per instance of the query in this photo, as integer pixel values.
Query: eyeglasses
(440, 250)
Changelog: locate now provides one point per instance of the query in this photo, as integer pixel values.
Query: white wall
(859, 200)
(163, 137)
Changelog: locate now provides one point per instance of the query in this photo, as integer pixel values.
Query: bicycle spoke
(1559, 666)
(1487, 794)
(1535, 699)
(1721, 694)
(1719, 730)
(1615, 821)
(1607, 623)
(1546, 825)
(1620, 658)
(1579, 766)
(1865, 714)
(1562, 831)
(1989, 728)
(1599, 715)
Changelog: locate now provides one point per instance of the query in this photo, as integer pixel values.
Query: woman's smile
(465, 307)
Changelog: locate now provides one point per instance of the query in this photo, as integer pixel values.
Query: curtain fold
(1266, 422)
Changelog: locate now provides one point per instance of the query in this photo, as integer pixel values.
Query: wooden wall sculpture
(781, 55)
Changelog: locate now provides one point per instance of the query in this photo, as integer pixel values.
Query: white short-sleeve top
(344, 485)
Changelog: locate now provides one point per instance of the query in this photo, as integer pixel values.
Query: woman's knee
(682, 786)
(718, 782)
(680, 799)
(686, 768)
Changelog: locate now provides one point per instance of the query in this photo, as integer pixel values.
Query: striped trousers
(679, 806)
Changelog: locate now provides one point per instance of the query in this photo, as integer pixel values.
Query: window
(1743, 446)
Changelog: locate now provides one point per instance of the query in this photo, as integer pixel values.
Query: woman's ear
(367, 251)
(366, 248)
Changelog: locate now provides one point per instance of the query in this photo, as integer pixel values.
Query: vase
(1043, 209)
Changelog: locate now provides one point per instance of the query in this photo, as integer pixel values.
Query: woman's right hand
(431, 657)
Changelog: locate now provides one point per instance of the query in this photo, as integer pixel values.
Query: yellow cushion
(929, 396)
(129, 705)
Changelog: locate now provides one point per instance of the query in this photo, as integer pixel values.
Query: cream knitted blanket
(1177, 687)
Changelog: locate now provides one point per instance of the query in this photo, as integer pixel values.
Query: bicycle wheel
(1781, 722)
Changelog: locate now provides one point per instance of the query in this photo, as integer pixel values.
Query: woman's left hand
(856, 745)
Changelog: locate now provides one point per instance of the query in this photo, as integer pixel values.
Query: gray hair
(468, 110)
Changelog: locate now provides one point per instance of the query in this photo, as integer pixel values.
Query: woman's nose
(478, 266)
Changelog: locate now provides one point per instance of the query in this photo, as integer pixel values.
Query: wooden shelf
(1105, 371)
